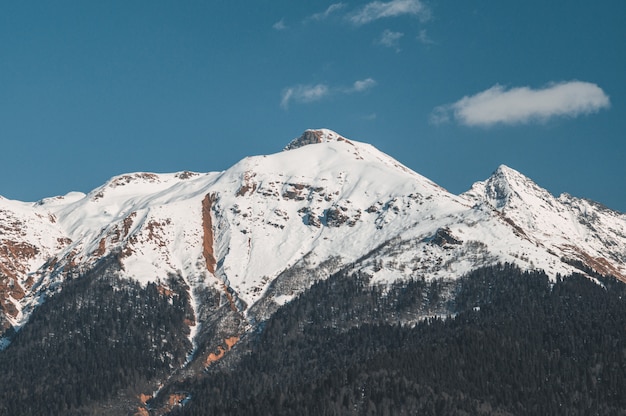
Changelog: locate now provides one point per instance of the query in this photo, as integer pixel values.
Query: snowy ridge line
(280, 221)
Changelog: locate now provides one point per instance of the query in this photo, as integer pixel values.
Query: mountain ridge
(324, 197)
(218, 254)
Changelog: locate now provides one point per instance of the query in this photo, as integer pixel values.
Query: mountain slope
(576, 229)
(516, 343)
(240, 243)
(325, 200)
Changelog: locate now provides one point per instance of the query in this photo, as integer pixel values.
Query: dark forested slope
(517, 344)
(100, 338)
(498, 341)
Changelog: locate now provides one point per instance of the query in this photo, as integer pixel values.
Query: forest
(514, 343)
(499, 341)
(98, 336)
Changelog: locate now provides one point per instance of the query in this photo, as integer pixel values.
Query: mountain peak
(505, 188)
(314, 136)
(505, 170)
(506, 181)
(503, 184)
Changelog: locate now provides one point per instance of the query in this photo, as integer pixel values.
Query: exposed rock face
(444, 238)
(248, 185)
(207, 227)
(335, 217)
(221, 350)
(315, 136)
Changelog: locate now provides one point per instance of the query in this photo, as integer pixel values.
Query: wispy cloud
(326, 13)
(303, 94)
(521, 105)
(280, 25)
(362, 85)
(423, 38)
(390, 39)
(310, 93)
(377, 10)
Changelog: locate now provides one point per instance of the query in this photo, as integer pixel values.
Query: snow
(325, 197)
(565, 225)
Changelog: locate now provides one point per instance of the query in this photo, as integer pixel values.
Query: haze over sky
(93, 89)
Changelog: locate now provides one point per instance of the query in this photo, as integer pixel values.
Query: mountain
(232, 247)
(575, 229)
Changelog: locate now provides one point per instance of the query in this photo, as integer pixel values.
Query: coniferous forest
(498, 341)
(517, 344)
(98, 336)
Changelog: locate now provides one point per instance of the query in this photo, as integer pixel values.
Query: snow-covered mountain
(266, 229)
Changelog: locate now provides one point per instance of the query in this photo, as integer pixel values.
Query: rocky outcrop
(443, 238)
(14, 257)
(207, 227)
(221, 350)
(248, 184)
(315, 136)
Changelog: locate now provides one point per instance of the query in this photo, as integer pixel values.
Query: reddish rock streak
(207, 227)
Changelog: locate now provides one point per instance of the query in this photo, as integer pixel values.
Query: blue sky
(89, 90)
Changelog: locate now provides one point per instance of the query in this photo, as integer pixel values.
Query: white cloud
(310, 93)
(280, 25)
(377, 10)
(497, 105)
(363, 85)
(304, 94)
(330, 10)
(390, 39)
